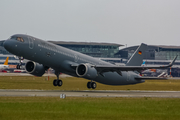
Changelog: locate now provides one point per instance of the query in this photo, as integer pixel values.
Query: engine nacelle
(86, 71)
(35, 68)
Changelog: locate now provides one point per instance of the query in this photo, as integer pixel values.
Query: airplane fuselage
(2, 67)
(62, 59)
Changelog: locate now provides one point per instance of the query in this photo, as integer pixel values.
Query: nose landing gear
(57, 82)
(20, 63)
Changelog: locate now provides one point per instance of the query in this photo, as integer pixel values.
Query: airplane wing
(101, 69)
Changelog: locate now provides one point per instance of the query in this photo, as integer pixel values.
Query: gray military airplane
(44, 55)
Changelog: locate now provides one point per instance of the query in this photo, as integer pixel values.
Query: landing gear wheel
(59, 83)
(55, 82)
(89, 85)
(93, 85)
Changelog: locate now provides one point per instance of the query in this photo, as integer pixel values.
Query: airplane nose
(11, 46)
(7, 44)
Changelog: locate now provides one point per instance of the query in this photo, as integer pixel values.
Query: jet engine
(35, 68)
(86, 71)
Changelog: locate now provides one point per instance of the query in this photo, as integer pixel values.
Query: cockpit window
(13, 37)
(17, 38)
(20, 39)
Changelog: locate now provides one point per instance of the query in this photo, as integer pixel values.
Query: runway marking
(89, 93)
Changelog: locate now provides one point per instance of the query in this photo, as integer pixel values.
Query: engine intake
(86, 71)
(35, 68)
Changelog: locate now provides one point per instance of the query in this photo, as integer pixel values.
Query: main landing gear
(92, 85)
(57, 82)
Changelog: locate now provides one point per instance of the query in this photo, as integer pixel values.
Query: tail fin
(6, 62)
(144, 63)
(137, 58)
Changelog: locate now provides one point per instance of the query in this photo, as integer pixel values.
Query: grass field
(53, 108)
(73, 83)
(86, 108)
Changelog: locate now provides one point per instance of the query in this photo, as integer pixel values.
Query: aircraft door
(31, 43)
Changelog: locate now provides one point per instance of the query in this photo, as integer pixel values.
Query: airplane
(156, 72)
(5, 65)
(44, 55)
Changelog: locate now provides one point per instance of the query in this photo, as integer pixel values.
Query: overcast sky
(131, 22)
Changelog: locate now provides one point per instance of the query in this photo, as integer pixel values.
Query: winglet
(6, 62)
(170, 64)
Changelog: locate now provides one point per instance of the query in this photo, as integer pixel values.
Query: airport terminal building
(113, 51)
(157, 52)
(110, 52)
(98, 50)
(160, 55)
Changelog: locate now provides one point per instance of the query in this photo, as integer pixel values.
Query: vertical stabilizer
(137, 58)
(6, 62)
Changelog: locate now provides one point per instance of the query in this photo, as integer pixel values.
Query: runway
(89, 93)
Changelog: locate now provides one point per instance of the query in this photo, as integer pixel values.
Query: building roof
(153, 47)
(166, 46)
(84, 43)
